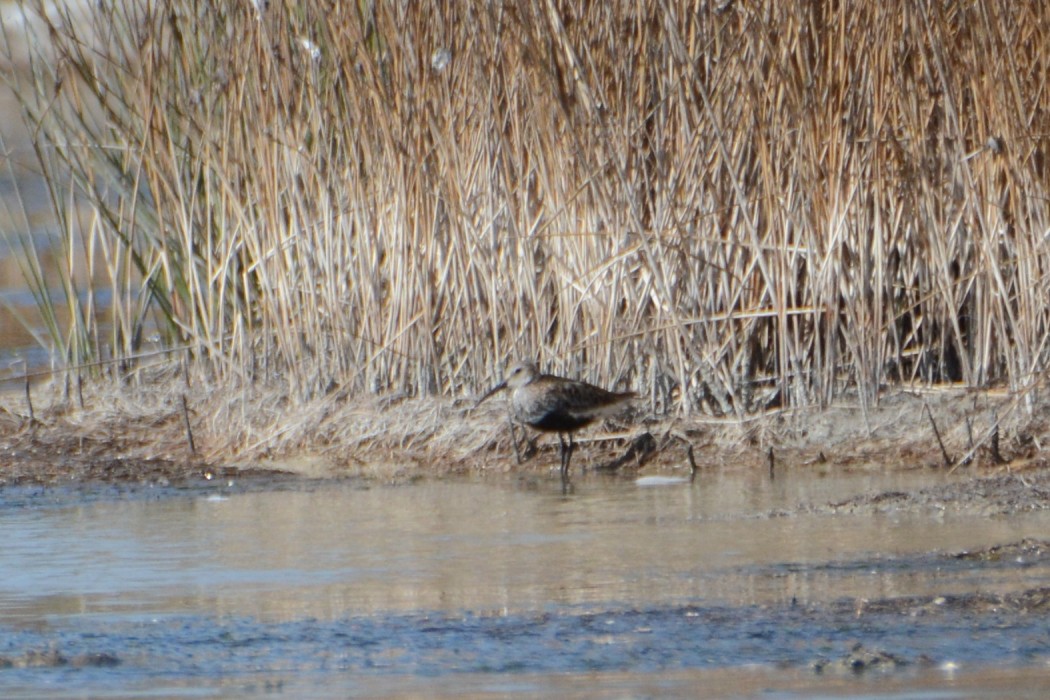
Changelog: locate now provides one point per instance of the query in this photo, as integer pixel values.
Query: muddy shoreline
(992, 596)
(134, 437)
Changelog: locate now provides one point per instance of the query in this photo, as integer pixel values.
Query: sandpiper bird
(556, 404)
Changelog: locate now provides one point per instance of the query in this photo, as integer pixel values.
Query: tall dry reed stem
(734, 205)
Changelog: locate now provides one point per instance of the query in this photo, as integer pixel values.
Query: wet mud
(999, 494)
(922, 609)
(68, 460)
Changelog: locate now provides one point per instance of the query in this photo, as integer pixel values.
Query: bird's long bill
(496, 389)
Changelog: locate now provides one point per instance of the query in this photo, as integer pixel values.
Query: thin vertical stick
(189, 429)
(186, 370)
(937, 434)
(692, 464)
(29, 400)
(997, 456)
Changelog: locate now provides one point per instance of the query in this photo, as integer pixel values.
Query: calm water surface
(503, 587)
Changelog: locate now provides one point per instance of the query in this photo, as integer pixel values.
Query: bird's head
(519, 375)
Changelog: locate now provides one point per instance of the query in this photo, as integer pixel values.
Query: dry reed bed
(729, 206)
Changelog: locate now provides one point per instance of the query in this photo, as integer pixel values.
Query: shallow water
(504, 587)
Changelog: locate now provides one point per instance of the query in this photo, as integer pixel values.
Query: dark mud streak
(1001, 494)
(1028, 553)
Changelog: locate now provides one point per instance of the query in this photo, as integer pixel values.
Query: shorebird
(556, 404)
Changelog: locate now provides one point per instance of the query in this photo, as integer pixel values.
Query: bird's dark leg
(566, 456)
(514, 439)
(561, 440)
